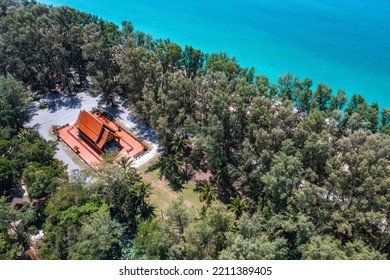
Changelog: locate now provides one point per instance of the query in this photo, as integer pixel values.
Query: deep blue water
(344, 43)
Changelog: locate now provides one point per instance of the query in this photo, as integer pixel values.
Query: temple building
(95, 133)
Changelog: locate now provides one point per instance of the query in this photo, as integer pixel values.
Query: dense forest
(297, 171)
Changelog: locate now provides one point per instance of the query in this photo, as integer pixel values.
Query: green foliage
(193, 61)
(6, 175)
(207, 193)
(220, 62)
(260, 248)
(101, 63)
(314, 178)
(125, 193)
(322, 97)
(373, 119)
(206, 237)
(15, 228)
(97, 236)
(385, 120)
(305, 96)
(78, 227)
(41, 181)
(179, 216)
(157, 239)
(279, 183)
(13, 104)
(153, 241)
(327, 248)
(338, 101)
(33, 148)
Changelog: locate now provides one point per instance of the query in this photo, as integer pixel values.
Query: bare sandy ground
(65, 109)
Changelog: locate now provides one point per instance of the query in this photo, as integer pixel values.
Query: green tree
(327, 248)
(97, 237)
(305, 96)
(315, 122)
(316, 152)
(285, 176)
(385, 121)
(220, 62)
(238, 206)
(193, 61)
(322, 97)
(373, 119)
(41, 181)
(322, 248)
(125, 193)
(179, 216)
(358, 105)
(338, 100)
(102, 65)
(260, 248)
(13, 103)
(207, 237)
(154, 241)
(170, 55)
(207, 193)
(286, 87)
(6, 176)
(356, 176)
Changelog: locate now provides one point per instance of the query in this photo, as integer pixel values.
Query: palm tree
(179, 146)
(170, 166)
(221, 175)
(207, 193)
(25, 133)
(140, 193)
(238, 206)
(178, 143)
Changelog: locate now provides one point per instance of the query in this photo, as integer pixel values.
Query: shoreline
(270, 54)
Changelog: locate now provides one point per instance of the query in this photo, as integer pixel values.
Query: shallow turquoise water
(345, 44)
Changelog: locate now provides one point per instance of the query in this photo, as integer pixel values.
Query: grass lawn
(162, 193)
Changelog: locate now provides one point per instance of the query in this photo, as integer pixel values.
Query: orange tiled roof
(90, 150)
(89, 125)
(103, 139)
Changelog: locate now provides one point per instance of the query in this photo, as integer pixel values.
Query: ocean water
(343, 43)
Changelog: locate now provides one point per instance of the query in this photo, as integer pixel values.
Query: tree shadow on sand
(143, 129)
(57, 102)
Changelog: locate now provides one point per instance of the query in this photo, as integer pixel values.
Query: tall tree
(13, 103)
(101, 54)
(98, 235)
(207, 193)
(373, 119)
(338, 100)
(206, 237)
(322, 97)
(193, 61)
(305, 96)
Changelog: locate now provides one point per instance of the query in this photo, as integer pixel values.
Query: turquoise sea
(343, 43)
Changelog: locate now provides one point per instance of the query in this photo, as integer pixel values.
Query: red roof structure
(88, 137)
(94, 130)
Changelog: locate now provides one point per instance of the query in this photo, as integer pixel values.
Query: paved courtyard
(64, 110)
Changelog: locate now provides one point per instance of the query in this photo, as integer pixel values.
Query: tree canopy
(294, 170)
